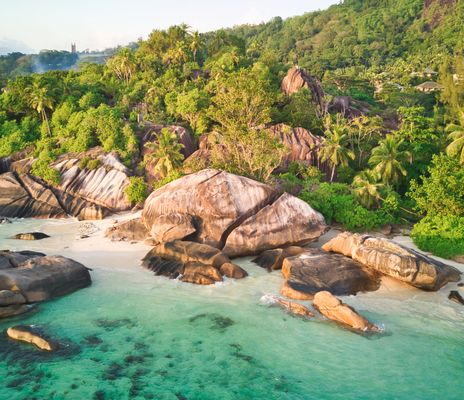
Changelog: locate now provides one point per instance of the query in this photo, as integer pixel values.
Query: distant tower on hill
(73, 48)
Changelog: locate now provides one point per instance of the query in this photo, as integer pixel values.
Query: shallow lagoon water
(132, 335)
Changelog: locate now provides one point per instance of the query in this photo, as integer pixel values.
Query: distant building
(430, 86)
(429, 72)
(73, 48)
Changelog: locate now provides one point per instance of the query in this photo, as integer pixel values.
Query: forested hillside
(379, 92)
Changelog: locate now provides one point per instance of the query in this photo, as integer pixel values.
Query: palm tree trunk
(45, 119)
(333, 174)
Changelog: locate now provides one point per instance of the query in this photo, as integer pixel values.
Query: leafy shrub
(137, 191)
(337, 203)
(83, 162)
(442, 235)
(171, 177)
(93, 164)
(442, 191)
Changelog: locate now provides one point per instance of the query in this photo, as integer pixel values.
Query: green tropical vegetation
(394, 156)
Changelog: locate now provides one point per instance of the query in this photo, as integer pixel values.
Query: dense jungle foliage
(400, 162)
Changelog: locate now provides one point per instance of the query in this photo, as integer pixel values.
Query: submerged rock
(291, 307)
(334, 309)
(456, 297)
(229, 212)
(31, 334)
(14, 309)
(315, 270)
(394, 260)
(31, 236)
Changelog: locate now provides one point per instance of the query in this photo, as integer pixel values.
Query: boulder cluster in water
(28, 277)
(200, 221)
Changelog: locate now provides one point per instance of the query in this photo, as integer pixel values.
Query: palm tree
(366, 187)
(334, 148)
(166, 152)
(123, 65)
(388, 160)
(196, 44)
(41, 101)
(456, 135)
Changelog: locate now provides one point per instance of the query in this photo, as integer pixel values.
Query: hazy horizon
(30, 26)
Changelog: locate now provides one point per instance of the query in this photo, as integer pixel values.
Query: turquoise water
(135, 336)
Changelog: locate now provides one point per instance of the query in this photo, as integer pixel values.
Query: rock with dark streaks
(31, 236)
(315, 270)
(456, 297)
(392, 259)
(285, 222)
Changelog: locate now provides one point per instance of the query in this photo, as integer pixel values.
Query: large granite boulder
(38, 278)
(300, 143)
(392, 259)
(231, 212)
(298, 78)
(331, 307)
(287, 221)
(82, 192)
(315, 270)
(348, 107)
(17, 201)
(214, 199)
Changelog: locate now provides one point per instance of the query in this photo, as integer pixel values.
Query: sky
(32, 25)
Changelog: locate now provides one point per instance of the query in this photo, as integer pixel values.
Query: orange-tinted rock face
(297, 78)
(334, 309)
(295, 308)
(394, 260)
(287, 291)
(302, 145)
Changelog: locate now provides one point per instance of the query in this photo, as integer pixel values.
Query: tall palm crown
(334, 149)
(166, 152)
(456, 136)
(366, 187)
(196, 44)
(40, 101)
(388, 160)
